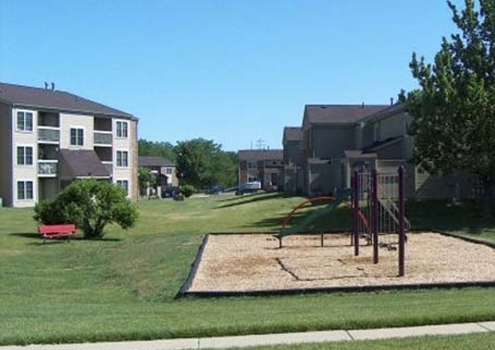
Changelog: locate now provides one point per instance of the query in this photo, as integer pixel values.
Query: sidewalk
(271, 339)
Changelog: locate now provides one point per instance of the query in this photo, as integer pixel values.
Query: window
(24, 121)
(24, 155)
(122, 159)
(122, 129)
(24, 190)
(124, 184)
(168, 171)
(77, 137)
(252, 164)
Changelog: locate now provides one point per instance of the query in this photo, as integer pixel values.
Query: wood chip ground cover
(253, 262)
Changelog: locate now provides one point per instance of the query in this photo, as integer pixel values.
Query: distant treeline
(199, 162)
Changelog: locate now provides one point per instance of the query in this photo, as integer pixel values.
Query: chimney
(362, 105)
(391, 101)
(53, 86)
(46, 85)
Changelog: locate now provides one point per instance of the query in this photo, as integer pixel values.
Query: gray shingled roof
(81, 163)
(149, 161)
(263, 154)
(32, 97)
(338, 114)
(292, 133)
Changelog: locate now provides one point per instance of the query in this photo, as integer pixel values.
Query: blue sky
(232, 71)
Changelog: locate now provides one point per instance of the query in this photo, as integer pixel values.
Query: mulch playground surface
(231, 264)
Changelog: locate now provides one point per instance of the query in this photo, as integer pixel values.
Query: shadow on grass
(337, 220)
(35, 235)
(445, 216)
(427, 215)
(252, 198)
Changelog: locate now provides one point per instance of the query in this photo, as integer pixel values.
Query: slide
(300, 227)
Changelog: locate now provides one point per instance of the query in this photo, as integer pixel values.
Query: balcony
(48, 134)
(103, 138)
(47, 167)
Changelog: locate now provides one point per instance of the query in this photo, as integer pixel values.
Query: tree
(454, 108)
(157, 149)
(225, 169)
(146, 178)
(194, 161)
(91, 205)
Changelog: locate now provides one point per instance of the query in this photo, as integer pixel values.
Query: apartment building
(49, 138)
(265, 166)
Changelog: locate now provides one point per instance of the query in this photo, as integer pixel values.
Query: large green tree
(202, 163)
(454, 107)
(156, 148)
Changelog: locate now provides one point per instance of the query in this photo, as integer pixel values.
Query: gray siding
(293, 154)
(332, 141)
(6, 154)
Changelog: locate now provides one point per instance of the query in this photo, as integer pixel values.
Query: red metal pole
(355, 216)
(374, 213)
(402, 233)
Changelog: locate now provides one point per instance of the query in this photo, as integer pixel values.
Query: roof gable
(292, 133)
(261, 154)
(338, 114)
(151, 161)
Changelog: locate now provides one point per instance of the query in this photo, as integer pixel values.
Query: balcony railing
(103, 138)
(48, 134)
(47, 167)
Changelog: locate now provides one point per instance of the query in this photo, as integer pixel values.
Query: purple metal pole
(374, 213)
(355, 216)
(402, 233)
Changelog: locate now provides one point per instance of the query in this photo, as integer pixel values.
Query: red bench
(57, 231)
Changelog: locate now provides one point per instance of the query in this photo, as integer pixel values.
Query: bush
(187, 190)
(91, 205)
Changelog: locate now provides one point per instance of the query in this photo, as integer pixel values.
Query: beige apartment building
(49, 138)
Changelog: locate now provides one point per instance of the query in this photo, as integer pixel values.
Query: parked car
(249, 187)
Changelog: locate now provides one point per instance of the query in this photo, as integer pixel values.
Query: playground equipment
(378, 207)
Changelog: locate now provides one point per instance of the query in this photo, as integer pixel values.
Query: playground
(377, 252)
(253, 262)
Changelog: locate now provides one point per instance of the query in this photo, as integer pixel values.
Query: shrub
(91, 205)
(187, 190)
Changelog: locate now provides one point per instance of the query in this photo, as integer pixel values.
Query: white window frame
(24, 164)
(119, 133)
(24, 182)
(24, 124)
(124, 183)
(121, 165)
(83, 136)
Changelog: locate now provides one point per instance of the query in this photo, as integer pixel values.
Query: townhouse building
(293, 159)
(338, 139)
(49, 138)
(265, 166)
(164, 170)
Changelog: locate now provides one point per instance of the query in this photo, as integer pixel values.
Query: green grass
(480, 341)
(123, 287)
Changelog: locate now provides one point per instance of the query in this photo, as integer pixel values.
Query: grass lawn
(123, 287)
